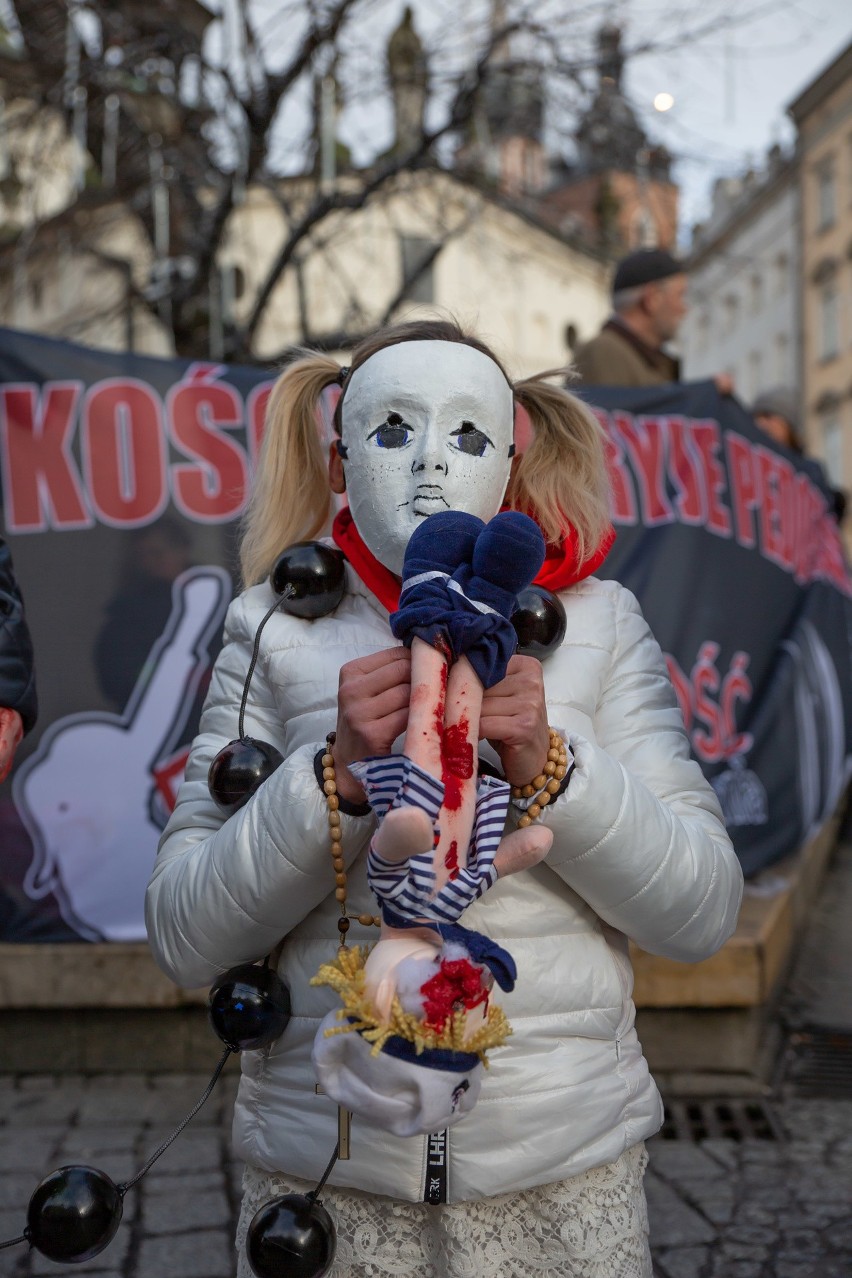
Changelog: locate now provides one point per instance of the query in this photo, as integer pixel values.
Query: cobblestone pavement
(718, 1209)
(759, 1208)
(179, 1221)
(773, 1208)
(723, 1208)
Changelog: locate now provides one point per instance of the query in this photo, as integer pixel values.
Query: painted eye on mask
(394, 433)
(469, 439)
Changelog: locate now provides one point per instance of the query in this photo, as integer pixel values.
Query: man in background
(649, 304)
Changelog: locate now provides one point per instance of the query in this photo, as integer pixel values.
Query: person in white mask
(545, 1174)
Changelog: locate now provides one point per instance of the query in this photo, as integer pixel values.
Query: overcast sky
(731, 88)
(731, 91)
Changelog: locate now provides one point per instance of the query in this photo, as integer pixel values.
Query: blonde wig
(560, 479)
(290, 499)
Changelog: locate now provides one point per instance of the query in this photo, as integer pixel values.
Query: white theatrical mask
(426, 426)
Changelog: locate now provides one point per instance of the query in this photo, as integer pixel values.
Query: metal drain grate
(713, 1118)
(818, 1064)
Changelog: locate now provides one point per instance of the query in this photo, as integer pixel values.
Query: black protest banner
(729, 543)
(123, 479)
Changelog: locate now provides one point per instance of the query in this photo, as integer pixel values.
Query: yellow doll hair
(346, 976)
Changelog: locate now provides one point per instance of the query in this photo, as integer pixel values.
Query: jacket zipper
(622, 981)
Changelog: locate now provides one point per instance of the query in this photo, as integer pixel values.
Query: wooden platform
(748, 970)
(711, 1028)
(114, 975)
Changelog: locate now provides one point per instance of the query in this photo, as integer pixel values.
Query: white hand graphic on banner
(87, 794)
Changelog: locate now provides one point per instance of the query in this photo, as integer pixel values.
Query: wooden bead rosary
(329, 785)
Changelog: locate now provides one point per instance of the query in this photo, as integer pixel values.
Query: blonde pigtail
(291, 498)
(561, 478)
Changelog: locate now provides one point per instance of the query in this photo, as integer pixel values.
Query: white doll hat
(405, 1094)
(403, 1073)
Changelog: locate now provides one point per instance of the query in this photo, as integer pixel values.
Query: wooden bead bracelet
(542, 789)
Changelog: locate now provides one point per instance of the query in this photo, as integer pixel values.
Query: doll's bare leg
(429, 674)
(408, 831)
(458, 770)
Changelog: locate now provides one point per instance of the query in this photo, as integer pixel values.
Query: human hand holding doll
(513, 720)
(373, 696)
(372, 711)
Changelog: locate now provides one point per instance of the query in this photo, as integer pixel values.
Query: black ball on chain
(239, 769)
(249, 1007)
(291, 1237)
(315, 577)
(539, 621)
(73, 1214)
(311, 578)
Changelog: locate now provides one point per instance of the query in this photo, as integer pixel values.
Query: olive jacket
(617, 357)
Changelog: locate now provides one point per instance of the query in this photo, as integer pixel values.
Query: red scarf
(559, 570)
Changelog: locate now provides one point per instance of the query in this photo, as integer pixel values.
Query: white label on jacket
(436, 1189)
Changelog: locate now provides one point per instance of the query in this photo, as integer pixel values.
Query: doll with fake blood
(459, 585)
(440, 843)
(545, 1171)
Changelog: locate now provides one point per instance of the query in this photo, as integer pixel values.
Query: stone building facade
(823, 118)
(743, 316)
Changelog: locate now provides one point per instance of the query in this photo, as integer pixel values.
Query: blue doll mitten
(508, 553)
(435, 550)
(460, 581)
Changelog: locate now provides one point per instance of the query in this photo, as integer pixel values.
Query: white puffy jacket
(639, 851)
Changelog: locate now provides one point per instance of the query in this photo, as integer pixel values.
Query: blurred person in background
(137, 615)
(776, 413)
(649, 305)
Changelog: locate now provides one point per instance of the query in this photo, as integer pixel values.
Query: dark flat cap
(645, 267)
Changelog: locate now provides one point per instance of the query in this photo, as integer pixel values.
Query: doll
(439, 845)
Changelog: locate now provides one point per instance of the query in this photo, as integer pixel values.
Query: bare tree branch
(209, 148)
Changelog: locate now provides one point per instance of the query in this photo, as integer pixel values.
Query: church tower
(619, 192)
(408, 76)
(504, 144)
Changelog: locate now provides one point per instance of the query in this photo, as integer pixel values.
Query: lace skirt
(594, 1225)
